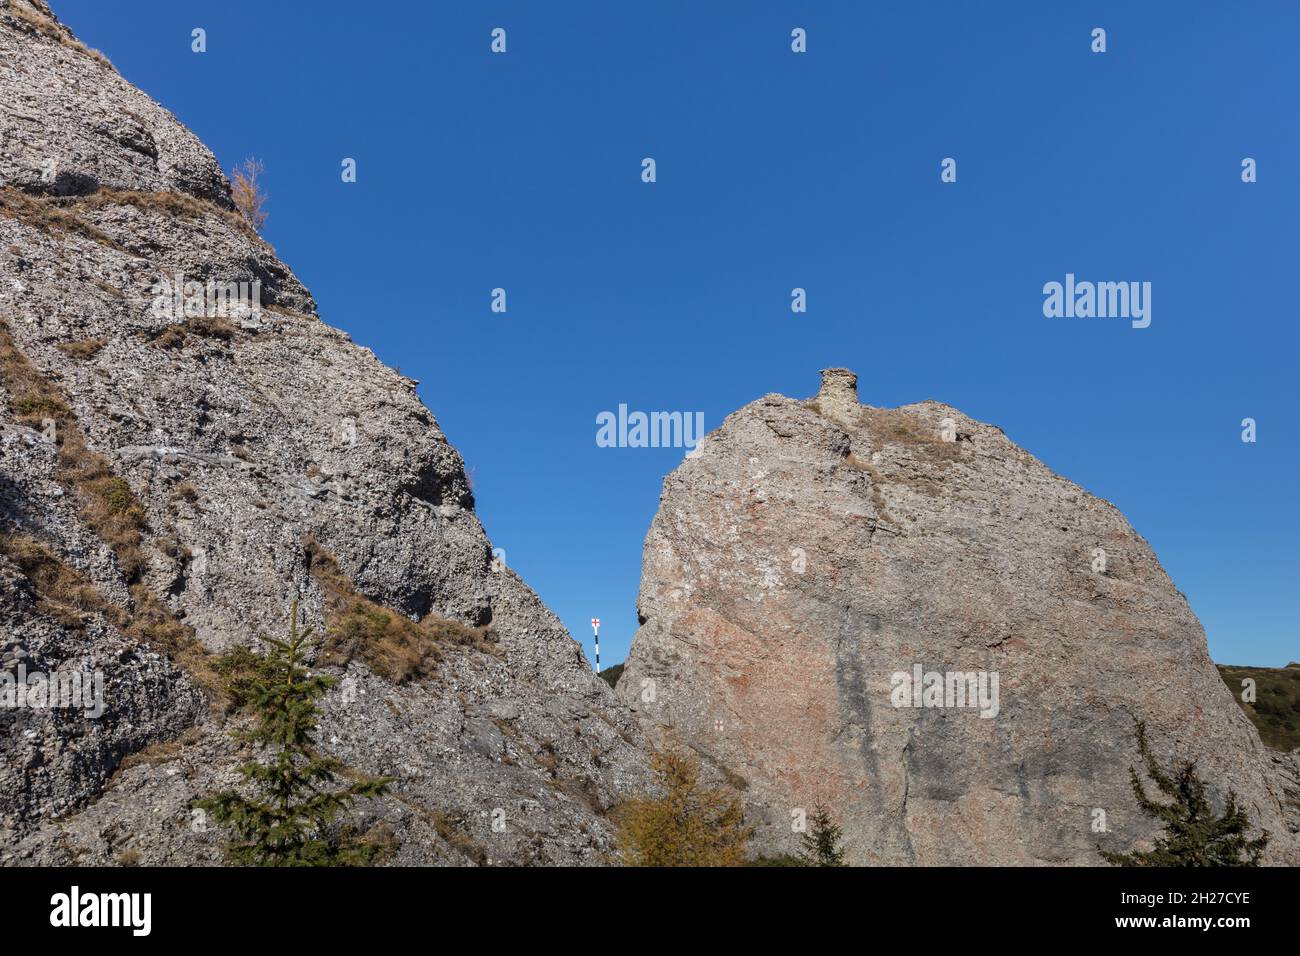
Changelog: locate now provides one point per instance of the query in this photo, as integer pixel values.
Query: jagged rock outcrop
(166, 483)
(812, 550)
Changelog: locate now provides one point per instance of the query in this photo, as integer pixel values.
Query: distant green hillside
(1276, 711)
(612, 674)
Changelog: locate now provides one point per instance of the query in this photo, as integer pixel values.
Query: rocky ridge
(225, 453)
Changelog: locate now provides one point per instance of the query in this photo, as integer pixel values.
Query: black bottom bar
(946, 906)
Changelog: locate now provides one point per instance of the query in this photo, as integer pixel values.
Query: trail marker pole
(595, 629)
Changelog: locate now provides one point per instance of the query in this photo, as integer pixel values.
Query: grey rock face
(70, 130)
(814, 549)
(52, 758)
(242, 443)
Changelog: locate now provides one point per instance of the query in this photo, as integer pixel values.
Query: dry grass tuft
(60, 214)
(109, 289)
(180, 205)
(175, 335)
(877, 497)
(282, 310)
(453, 833)
(210, 328)
(929, 456)
(164, 751)
(106, 501)
(153, 622)
(66, 595)
(109, 507)
(391, 644)
(32, 410)
(82, 348)
(171, 337)
(48, 215)
(897, 427)
(69, 597)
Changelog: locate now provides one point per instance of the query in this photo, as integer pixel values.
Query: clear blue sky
(778, 170)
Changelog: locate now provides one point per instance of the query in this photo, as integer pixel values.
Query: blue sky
(778, 170)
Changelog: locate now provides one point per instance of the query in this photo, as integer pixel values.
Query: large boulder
(811, 556)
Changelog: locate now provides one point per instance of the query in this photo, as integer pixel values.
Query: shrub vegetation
(1194, 834)
(688, 825)
(290, 819)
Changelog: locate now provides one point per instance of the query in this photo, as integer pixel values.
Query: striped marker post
(595, 629)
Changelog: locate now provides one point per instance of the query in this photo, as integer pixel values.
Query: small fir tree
(821, 842)
(290, 822)
(1194, 835)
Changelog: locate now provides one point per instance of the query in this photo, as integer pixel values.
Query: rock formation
(170, 483)
(814, 554)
